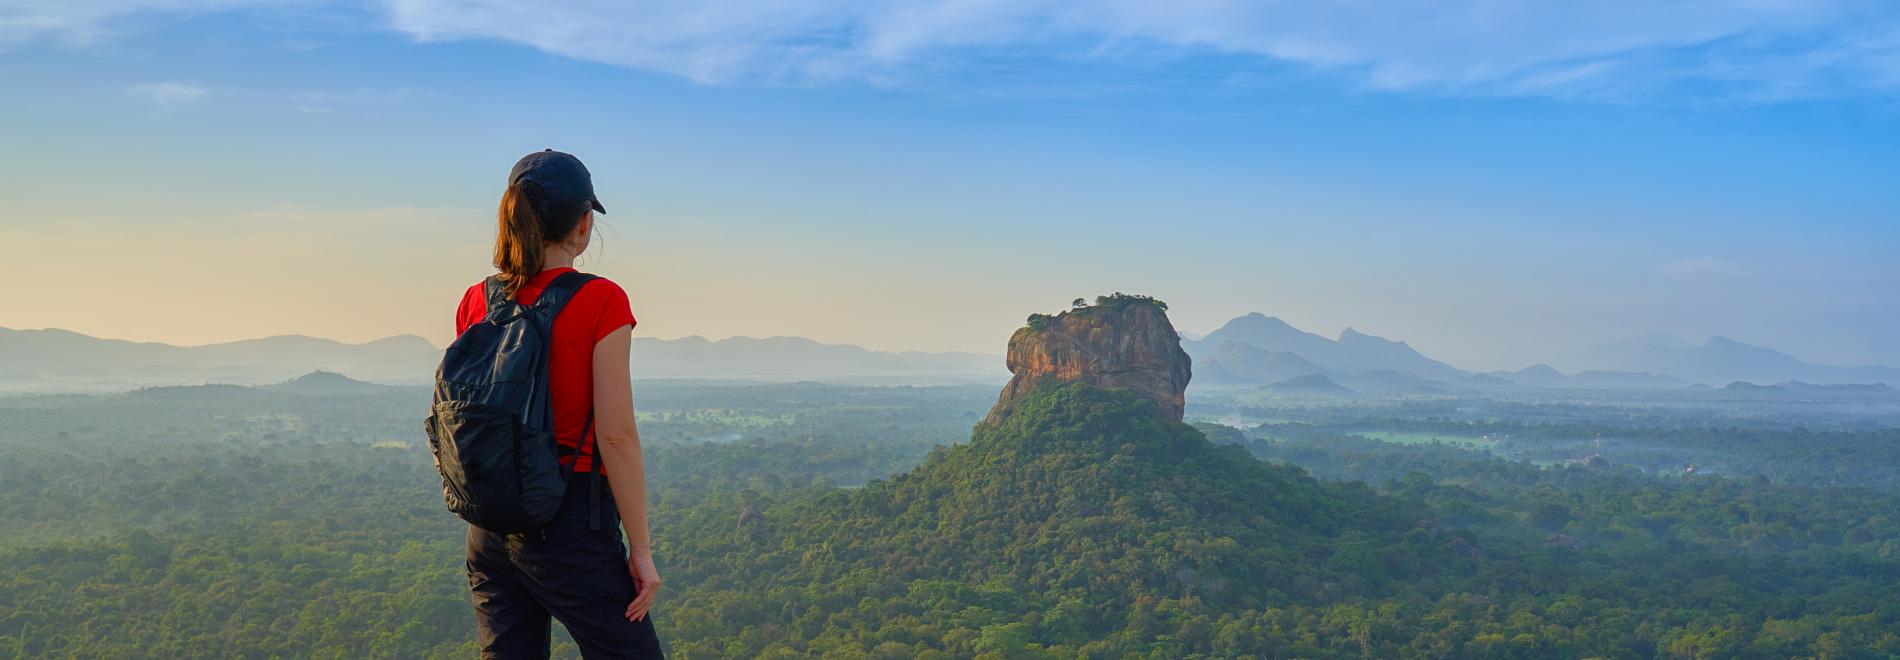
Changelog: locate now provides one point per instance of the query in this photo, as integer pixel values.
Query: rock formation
(1119, 342)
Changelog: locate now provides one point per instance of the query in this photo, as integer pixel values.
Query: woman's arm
(618, 441)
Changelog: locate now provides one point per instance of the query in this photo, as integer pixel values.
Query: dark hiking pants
(567, 571)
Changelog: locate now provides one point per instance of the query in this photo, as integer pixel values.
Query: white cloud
(173, 93)
(85, 21)
(1740, 49)
(1608, 48)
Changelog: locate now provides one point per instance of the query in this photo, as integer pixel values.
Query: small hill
(1537, 375)
(326, 382)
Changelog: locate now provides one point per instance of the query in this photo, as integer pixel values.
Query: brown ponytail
(525, 226)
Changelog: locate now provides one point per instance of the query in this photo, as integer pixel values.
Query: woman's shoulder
(472, 306)
(608, 298)
(601, 287)
(475, 297)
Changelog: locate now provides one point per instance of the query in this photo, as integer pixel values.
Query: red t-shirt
(598, 308)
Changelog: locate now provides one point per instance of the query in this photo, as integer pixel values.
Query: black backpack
(491, 427)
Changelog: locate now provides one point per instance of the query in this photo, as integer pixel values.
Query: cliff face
(1114, 344)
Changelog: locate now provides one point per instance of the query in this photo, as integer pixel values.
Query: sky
(1497, 183)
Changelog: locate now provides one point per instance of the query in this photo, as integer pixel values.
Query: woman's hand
(646, 581)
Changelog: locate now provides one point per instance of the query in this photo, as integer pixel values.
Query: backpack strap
(561, 290)
(546, 308)
(561, 450)
(496, 294)
(552, 300)
(596, 474)
(553, 297)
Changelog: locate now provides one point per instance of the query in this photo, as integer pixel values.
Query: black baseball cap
(561, 176)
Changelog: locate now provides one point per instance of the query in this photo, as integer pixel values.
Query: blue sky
(1497, 183)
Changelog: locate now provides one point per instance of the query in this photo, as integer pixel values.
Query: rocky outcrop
(1119, 342)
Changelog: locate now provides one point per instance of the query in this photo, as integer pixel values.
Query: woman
(575, 569)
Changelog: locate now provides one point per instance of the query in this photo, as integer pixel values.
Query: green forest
(803, 520)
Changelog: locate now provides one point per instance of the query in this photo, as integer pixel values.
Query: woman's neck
(556, 257)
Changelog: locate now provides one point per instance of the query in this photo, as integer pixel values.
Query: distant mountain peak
(326, 382)
(321, 377)
(1353, 352)
(1540, 369)
(1258, 320)
(404, 341)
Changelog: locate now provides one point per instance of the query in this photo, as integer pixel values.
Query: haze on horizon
(1497, 190)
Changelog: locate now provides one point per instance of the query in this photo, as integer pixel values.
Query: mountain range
(1256, 350)
(1250, 351)
(55, 360)
(1353, 351)
(1721, 360)
(61, 360)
